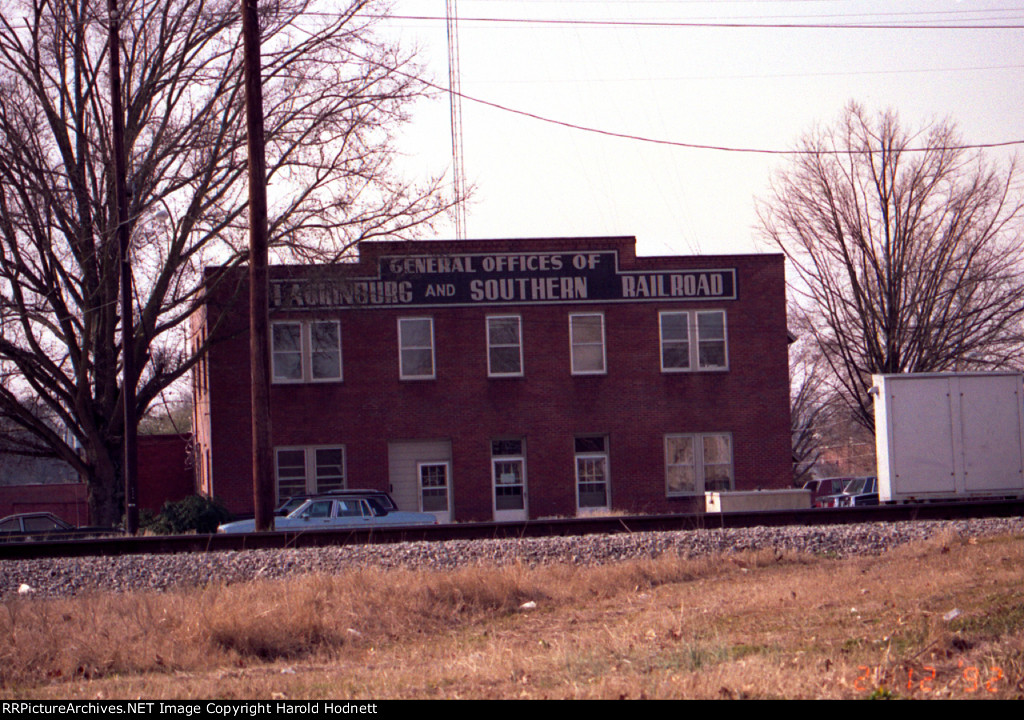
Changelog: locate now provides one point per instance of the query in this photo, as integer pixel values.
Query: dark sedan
(42, 525)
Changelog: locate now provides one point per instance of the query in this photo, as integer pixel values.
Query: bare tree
(334, 94)
(905, 250)
(810, 408)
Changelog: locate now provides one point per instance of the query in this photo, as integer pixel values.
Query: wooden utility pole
(128, 378)
(259, 347)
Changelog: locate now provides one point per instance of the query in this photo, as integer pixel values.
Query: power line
(712, 24)
(758, 76)
(698, 146)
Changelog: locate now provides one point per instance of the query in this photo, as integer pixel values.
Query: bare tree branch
(335, 95)
(904, 262)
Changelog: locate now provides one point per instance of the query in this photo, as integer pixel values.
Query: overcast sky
(610, 66)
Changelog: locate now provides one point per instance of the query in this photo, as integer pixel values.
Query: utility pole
(128, 378)
(455, 98)
(259, 347)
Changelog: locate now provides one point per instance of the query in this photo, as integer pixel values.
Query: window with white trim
(675, 341)
(305, 351)
(697, 463)
(309, 470)
(693, 340)
(586, 340)
(504, 346)
(416, 348)
(286, 351)
(712, 352)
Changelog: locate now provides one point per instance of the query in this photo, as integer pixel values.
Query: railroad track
(105, 546)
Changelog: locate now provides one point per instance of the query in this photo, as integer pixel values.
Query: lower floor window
(699, 462)
(309, 470)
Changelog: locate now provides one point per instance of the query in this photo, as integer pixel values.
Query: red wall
(68, 501)
(165, 470)
(634, 404)
(165, 473)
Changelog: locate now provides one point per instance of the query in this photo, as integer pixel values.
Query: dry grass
(755, 625)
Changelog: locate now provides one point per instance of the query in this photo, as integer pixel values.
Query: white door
(509, 490)
(434, 494)
(591, 475)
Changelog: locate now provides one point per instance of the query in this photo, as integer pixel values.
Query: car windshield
(860, 485)
(290, 505)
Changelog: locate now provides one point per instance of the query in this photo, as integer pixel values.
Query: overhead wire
(700, 146)
(987, 25)
(576, 23)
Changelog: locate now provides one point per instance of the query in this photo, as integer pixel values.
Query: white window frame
(276, 352)
(422, 490)
(312, 475)
(694, 341)
(724, 340)
(315, 351)
(305, 353)
(574, 344)
(518, 345)
(402, 348)
(675, 341)
(700, 464)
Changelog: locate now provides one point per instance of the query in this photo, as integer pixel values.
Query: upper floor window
(586, 339)
(305, 351)
(504, 346)
(416, 348)
(711, 342)
(694, 340)
(675, 341)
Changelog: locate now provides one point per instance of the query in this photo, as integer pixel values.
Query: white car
(325, 512)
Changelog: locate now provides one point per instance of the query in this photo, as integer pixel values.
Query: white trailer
(949, 436)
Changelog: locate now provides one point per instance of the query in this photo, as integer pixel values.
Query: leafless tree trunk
(905, 250)
(334, 95)
(811, 410)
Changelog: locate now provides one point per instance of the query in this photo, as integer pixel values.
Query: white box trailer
(950, 436)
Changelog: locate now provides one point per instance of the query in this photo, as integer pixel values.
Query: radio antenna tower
(455, 95)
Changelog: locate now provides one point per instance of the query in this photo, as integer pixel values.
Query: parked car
(291, 504)
(825, 487)
(42, 525)
(862, 491)
(325, 512)
(858, 491)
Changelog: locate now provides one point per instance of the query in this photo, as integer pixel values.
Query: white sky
(723, 86)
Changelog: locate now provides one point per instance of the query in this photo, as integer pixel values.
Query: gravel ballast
(54, 577)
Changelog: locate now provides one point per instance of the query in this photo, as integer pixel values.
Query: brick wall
(165, 470)
(634, 405)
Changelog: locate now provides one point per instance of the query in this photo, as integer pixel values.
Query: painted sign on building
(500, 279)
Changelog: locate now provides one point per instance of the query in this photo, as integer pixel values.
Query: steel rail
(616, 524)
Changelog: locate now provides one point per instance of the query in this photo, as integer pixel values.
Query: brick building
(506, 379)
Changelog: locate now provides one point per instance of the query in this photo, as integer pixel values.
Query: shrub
(196, 513)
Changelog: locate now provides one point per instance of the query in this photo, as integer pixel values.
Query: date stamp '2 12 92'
(926, 679)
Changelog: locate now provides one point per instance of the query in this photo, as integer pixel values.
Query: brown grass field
(939, 619)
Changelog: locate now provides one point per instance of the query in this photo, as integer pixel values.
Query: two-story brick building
(506, 379)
